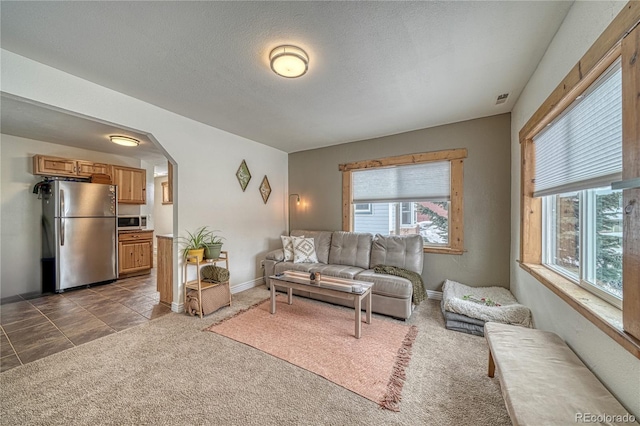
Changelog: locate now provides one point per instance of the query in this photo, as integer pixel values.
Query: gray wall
(315, 176)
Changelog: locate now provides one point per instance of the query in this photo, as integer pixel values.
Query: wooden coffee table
(341, 288)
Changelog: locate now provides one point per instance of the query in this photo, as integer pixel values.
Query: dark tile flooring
(35, 328)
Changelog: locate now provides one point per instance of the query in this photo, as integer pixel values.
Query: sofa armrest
(277, 255)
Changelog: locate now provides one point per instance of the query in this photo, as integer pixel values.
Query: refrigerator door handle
(62, 203)
(61, 231)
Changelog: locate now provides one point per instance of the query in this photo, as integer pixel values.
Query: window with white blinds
(582, 148)
(416, 182)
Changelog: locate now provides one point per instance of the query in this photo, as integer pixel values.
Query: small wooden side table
(200, 285)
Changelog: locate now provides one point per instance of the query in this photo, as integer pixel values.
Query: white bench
(544, 383)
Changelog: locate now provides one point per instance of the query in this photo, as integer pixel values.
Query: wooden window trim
(603, 315)
(456, 221)
(620, 38)
(165, 193)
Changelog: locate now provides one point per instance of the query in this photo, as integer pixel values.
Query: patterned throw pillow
(287, 247)
(304, 250)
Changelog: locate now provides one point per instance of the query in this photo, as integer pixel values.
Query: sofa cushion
(339, 271)
(403, 251)
(321, 239)
(290, 266)
(277, 255)
(387, 285)
(304, 250)
(350, 248)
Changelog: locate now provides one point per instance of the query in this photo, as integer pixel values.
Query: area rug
(320, 338)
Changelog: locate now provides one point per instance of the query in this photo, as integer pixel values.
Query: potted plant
(212, 246)
(194, 243)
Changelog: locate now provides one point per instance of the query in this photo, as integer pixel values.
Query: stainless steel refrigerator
(79, 235)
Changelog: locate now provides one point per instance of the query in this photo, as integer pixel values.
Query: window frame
(620, 39)
(587, 251)
(456, 213)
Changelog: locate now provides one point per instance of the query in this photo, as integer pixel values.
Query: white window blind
(415, 182)
(582, 148)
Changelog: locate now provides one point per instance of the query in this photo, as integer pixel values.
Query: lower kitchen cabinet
(165, 268)
(135, 253)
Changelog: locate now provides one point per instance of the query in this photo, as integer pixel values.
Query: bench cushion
(543, 382)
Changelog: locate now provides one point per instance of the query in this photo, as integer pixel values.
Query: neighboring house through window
(364, 208)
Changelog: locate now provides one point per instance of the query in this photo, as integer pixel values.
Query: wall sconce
(289, 217)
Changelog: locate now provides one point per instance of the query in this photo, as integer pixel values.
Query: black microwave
(132, 222)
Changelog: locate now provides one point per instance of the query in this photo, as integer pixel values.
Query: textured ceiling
(38, 122)
(376, 68)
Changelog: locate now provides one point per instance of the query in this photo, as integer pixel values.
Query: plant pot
(196, 252)
(212, 251)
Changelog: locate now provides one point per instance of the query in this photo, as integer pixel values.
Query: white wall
(206, 189)
(614, 366)
(163, 213)
(22, 211)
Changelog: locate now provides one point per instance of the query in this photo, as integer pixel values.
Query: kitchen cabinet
(169, 184)
(135, 253)
(132, 184)
(87, 168)
(164, 283)
(56, 166)
(53, 166)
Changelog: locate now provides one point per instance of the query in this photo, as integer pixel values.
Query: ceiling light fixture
(124, 140)
(289, 61)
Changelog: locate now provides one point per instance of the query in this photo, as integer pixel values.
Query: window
(582, 150)
(583, 239)
(413, 194)
(578, 222)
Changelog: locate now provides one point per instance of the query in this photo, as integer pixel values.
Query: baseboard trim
(177, 307)
(436, 295)
(247, 285)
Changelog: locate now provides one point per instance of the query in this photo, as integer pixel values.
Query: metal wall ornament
(243, 175)
(265, 189)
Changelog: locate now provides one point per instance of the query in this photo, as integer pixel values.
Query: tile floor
(35, 328)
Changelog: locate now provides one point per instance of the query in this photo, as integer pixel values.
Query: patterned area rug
(320, 338)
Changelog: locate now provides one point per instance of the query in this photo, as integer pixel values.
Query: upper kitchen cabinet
(56, 166)
(132, 184)
(87, 168)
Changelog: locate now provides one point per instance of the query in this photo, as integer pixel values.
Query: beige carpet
(168, 372)
(320, 338)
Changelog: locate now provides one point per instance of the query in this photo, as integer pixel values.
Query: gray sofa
(353, 255)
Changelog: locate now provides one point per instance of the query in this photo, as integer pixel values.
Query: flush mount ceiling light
(124, 140)
(289, 61)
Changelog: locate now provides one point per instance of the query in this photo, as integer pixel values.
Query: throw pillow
(287, 247)
(304, 250)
